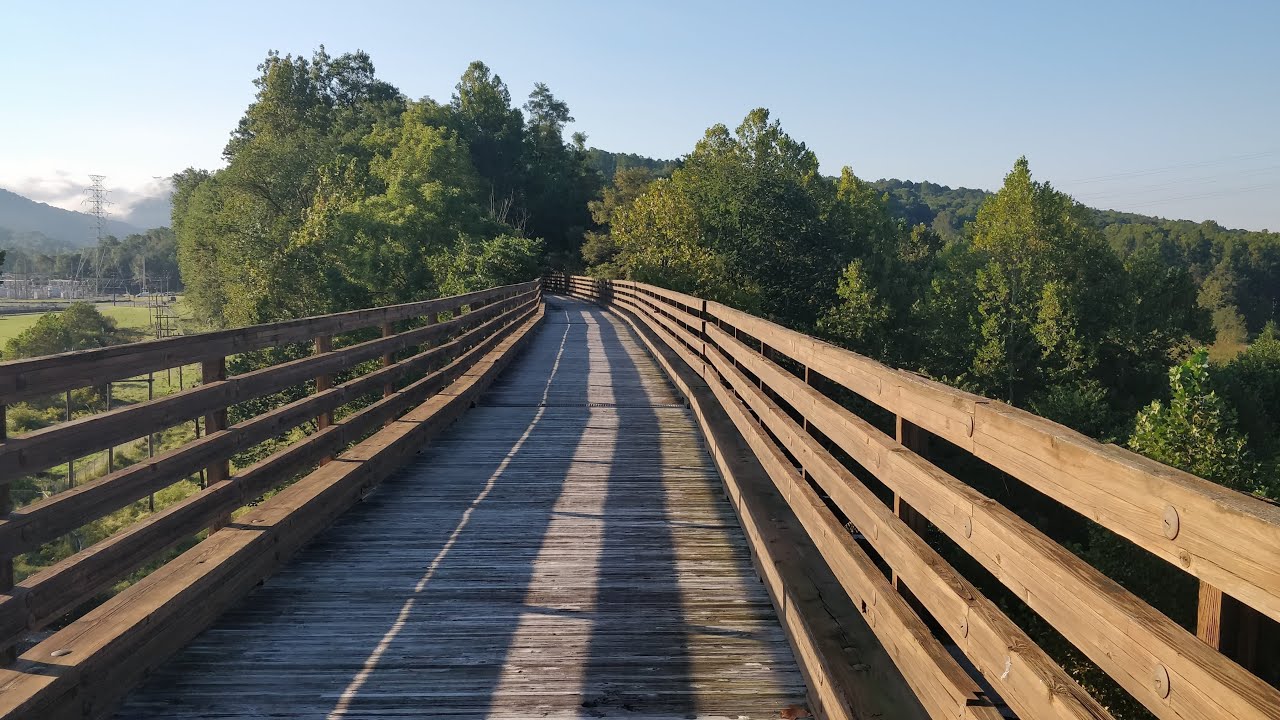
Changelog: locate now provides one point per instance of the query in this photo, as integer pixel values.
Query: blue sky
(1167, 108)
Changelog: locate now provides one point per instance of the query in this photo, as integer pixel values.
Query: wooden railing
(779, 388)
(381, 379)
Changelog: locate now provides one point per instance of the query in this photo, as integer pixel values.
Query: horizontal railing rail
(772, 380)
(420, 349)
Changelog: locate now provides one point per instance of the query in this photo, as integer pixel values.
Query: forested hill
(609, 163)
(27, 223)
(1237, 272)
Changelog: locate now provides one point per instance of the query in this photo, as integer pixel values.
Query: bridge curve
(564, 550)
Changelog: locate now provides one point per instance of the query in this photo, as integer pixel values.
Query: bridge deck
(564, 551)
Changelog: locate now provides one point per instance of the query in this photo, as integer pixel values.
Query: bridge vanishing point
(580, 498)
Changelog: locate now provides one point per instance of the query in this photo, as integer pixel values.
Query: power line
(1171, 168)
(1176, 184)
(1197, 196)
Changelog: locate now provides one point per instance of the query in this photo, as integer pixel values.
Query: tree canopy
(339, 192)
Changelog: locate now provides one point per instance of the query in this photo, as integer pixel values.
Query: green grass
(133, 317)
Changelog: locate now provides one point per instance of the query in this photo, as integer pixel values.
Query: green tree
(599, 250)
(80, 327)
(493, 131)
(1196, 431)
(743, 218)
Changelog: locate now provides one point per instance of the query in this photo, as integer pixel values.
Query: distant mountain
(35, 224)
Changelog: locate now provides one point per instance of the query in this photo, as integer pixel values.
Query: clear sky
(1169, 108)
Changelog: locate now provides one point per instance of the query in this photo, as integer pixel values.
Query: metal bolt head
(1172, 523)
(1160, 680)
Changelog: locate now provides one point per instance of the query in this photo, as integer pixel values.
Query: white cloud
(68, 190)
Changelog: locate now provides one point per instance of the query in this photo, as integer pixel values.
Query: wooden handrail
(34, 377)
(1225, 538)
(441, 353)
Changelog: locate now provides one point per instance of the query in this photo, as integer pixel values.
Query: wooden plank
(1023, 674)
(1228, 539)
(551, 571)
(85, 668)
(1127, 638)
(22, 379)
(213, 370)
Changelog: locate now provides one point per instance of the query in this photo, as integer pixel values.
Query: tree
(1250, 382)
(599, 250)
(80, 327)
(559, 182)
(743, 218)
(493, 131)
(1196, 431)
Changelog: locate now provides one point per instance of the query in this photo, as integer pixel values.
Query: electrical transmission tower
(99, 208)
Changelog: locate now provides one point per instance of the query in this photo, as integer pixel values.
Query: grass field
(126, 316)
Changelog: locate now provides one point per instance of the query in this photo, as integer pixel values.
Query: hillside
(27, 223)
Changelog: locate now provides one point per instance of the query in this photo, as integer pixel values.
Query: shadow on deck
(563, 551)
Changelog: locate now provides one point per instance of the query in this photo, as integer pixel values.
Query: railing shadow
(525, 565)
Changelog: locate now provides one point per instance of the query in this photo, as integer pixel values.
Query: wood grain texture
(563, 551)
(1228, 539)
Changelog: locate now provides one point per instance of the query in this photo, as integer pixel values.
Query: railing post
(915, 439)
(387, 331)
(214, 370)
(8, 654)
(1230, 626)
(324, 344)
(71, 462)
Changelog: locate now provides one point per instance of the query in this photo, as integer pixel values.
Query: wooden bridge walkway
(616, 501)
(565, 550)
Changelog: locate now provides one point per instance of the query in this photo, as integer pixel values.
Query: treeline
(153, 255)
(339, 192)
(1236, 272)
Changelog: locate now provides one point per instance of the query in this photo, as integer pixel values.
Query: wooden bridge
(586, 498)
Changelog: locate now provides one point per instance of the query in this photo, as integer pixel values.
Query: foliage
(340, 193)
(599, 250)
(1196, 430)
(746, 218)
(609, 164)
(80, 327)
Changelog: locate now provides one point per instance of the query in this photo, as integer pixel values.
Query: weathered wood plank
(56, 444)
(848, 673)
(29, 527)
(564, 551)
